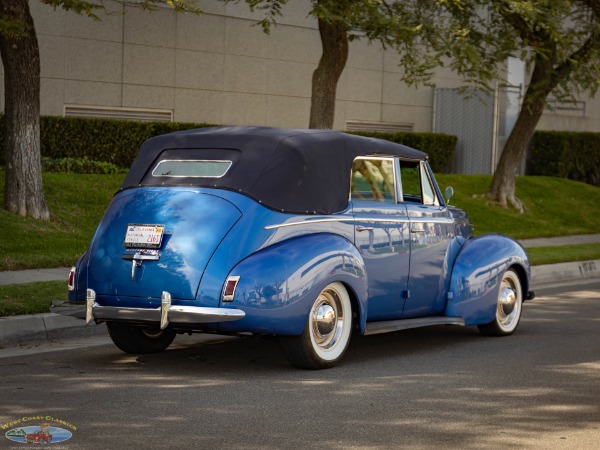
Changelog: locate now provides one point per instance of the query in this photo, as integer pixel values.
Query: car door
(381, 234)
(431, 231)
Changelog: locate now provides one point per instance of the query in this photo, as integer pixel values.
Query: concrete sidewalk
(34, 276)
(36, 328)
(561, 240)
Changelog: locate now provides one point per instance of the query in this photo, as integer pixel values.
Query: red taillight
(72, 279)
(230, 286)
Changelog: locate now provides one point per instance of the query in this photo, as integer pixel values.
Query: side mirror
(448, 194)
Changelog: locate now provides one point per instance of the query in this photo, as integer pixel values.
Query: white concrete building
(220, 68)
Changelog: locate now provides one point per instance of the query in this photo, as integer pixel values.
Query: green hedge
(80, 165)
(118, 141)
(113, 141)
(566, 155)
(439, 147)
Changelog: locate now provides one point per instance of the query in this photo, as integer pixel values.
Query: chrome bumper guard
(167, 313)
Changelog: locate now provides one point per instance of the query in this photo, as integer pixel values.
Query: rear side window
(373, 180)
(191, 168)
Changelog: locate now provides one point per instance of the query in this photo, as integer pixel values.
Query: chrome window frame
(424, 170)
(191, 161)
(399, 177)
(396, 169)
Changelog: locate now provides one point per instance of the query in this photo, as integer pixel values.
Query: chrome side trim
(183, 315)
(363, 220)
(306, 222)
(404, 324)
(431, 220)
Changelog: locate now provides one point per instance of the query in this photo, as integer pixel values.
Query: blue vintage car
(307, 235)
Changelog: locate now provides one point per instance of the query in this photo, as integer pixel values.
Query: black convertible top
(289, 170)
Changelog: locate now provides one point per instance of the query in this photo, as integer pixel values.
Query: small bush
(440, 147)
(566, 155)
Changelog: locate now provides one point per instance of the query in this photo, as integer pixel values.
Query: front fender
(476, 275)
(279, 284)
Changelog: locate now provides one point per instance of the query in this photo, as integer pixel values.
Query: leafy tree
(559, 40)
(21, 60)
(560, 43)
(394, 24)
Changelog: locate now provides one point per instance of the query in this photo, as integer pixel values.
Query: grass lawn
(566, 253)
(553, 206)
(77, 203)
(33, 298)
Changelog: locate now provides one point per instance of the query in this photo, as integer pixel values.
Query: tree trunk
(23, 193)
(502, 189)
(334, 40)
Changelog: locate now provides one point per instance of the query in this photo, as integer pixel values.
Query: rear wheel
(327, 332)
(508, 307)
(139, 340)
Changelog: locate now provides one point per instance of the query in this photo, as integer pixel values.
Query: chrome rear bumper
(165, 314)
(184, 315)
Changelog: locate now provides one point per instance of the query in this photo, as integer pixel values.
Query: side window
(373, 180)
(416, 185)
(411, 181)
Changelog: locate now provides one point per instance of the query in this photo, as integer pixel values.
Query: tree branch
(581, 54)
(534, 34)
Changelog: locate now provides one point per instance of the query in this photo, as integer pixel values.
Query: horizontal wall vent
(111, 112)
(378, 127)
(565, 108)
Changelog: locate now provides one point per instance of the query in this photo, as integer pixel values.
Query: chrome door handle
(361, 228)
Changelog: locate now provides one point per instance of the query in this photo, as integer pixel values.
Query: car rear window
(191, 168)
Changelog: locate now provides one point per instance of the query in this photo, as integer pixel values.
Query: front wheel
(508, 307)
(327, 332)
(138, 340)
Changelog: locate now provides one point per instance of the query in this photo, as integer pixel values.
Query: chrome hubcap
(508, 309)
(327, 319)
(507, 300)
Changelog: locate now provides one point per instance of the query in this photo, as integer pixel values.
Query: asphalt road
(428, 388)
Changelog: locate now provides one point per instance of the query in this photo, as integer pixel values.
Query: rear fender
(476, 276)
(279, 284)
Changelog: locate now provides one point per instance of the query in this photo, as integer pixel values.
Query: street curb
(564, 272)
(39, 328)
(36, 328)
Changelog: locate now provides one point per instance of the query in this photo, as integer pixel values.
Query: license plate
(144, 236)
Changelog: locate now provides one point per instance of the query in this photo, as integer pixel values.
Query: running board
(404, 324)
